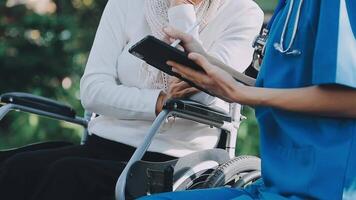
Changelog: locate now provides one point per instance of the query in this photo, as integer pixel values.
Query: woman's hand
(161, 100)
(177, 89)
(213, 79)
(180, 2)
(180, 89)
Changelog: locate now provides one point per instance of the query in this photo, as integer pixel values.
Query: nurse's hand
(188, 43)
(213, 79)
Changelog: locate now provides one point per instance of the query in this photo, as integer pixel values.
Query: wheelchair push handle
(40, 106)
(37, 102)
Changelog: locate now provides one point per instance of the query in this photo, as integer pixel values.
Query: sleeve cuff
(151, 96)
(203, 98)
(183, 17)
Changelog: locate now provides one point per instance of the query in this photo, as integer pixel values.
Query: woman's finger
(173, 80)
(179, 86)
(182, 84)
(192, 90)
(185, 93)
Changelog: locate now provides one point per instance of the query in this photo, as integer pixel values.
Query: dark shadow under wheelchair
(206, 169)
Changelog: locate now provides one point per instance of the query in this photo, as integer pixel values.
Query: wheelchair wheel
(195, 181)
(237, 172)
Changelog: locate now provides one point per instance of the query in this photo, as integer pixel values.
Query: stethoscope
(260, 41)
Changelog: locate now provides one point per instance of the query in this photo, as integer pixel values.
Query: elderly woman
(127, 94)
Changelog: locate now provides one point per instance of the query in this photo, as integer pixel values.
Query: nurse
(305, 101)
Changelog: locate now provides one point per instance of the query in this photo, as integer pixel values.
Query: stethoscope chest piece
(279, 46)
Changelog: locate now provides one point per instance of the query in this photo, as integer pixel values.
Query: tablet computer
(156, 53)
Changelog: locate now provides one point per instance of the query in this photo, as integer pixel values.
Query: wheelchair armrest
(38, 103)
(197, 110)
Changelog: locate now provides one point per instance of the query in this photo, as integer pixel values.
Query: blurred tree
(248, 135)
(43, 49)
(267, 5)
(44, 54)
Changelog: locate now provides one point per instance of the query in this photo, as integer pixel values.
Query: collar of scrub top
(280, 46)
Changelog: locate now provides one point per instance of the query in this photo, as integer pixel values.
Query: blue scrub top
(306, 156)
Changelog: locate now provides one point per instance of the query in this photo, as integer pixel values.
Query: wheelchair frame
(184, 109)
(228, 123)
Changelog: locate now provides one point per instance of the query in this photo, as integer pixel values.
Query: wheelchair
(206, 169)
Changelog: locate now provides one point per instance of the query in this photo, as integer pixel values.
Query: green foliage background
(38, 52)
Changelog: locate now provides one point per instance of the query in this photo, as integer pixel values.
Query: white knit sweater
(111, 86)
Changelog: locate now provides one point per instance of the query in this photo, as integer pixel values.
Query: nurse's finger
(185, 71)
(201, 61)
(172, 40)
(166, 39)
(180, 47)
(174, 33)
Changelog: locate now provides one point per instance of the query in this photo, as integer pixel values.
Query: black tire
(230, 172)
